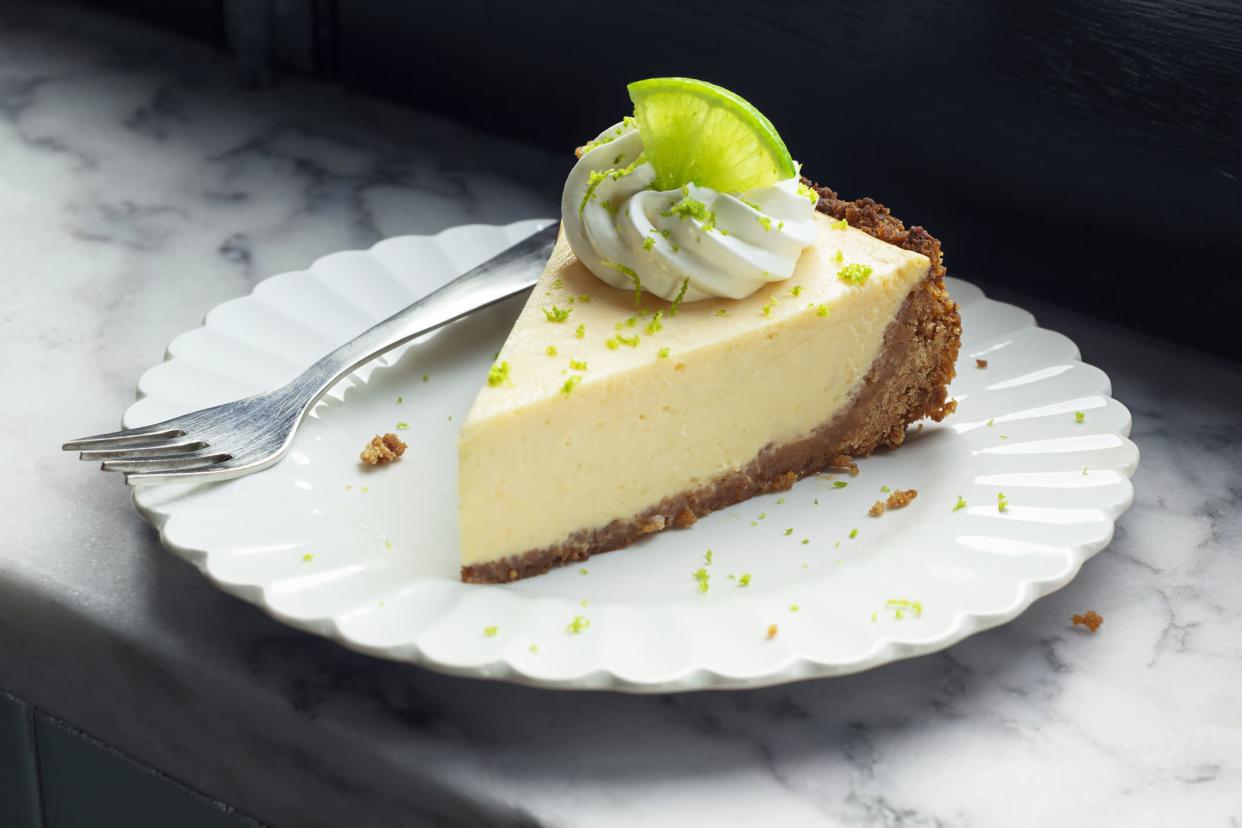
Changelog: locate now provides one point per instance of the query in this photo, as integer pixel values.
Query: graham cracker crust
(908, 381)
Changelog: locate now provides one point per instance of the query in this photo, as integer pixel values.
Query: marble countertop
(139, 189)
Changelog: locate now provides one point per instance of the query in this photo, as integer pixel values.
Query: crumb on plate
(382, 450)
(900, 498)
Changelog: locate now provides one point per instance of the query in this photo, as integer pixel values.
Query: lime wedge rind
(698, 132)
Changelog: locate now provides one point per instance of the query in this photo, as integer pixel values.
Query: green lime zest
(692, 208)
(608, 137)
(630, 274)
(702, 576)
(597, 177)
(498, 374)
(854, 274)
(593, 180)
(681, 294)
(900, 606)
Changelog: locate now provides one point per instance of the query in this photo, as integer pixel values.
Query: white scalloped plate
(382, 573)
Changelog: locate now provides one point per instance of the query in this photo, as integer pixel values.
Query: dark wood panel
(1084, 152)
(203, 19)
(85, 783)
(19, 779)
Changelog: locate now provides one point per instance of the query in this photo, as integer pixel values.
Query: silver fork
(251, 434)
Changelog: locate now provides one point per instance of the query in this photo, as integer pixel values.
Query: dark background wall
(1086, 152)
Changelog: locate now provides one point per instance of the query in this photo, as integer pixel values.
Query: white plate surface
(369, 557)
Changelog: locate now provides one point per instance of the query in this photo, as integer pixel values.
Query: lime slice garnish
(697, 132)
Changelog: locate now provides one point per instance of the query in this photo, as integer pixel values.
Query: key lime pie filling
(709, 326)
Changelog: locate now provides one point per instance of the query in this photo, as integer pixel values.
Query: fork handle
(500, 277)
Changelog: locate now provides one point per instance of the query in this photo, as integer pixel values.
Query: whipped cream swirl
(712, 244)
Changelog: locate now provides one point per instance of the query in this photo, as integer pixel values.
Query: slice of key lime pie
(709, 326)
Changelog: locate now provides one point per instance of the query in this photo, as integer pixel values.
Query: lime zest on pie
(854, 274)
(631, 275)
(498, 374)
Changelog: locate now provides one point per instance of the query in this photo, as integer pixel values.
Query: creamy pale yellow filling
(537, 464)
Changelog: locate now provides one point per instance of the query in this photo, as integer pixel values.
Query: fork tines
(152, 450)
(128, 437)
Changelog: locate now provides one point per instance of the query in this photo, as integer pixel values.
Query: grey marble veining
(139, 188)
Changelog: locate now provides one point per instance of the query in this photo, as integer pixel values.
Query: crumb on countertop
(981, 363)
(772, 632)
(876, 509)
(382, 450)
(1089, 619)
